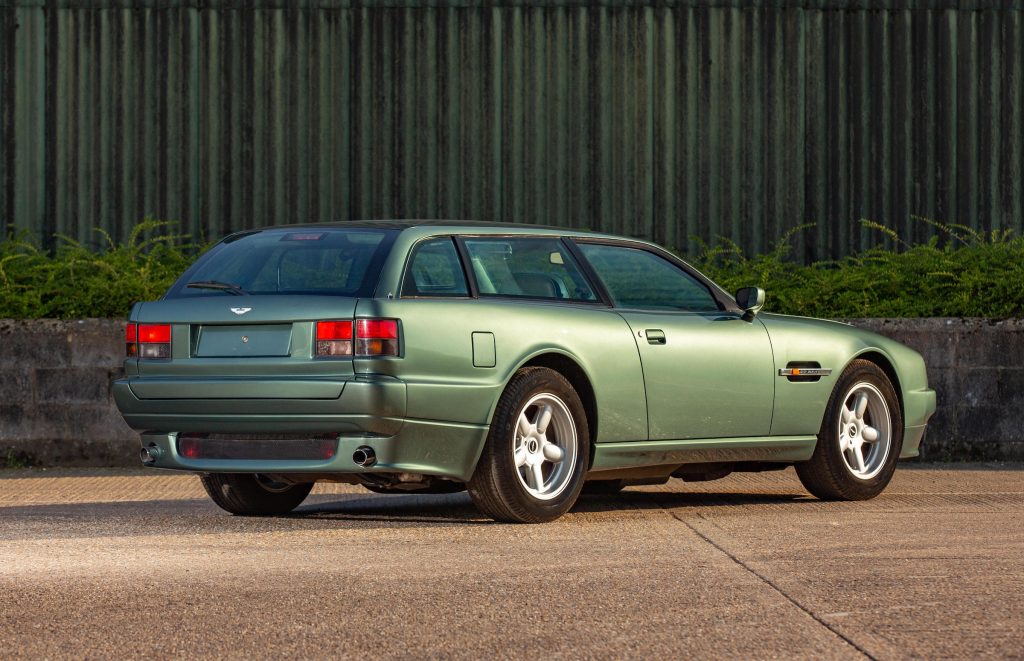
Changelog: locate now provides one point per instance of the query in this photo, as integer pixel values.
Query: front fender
(800, 406)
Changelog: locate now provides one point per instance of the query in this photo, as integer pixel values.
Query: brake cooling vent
(259, 447)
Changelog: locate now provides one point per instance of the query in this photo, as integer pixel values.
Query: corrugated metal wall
(661, 120)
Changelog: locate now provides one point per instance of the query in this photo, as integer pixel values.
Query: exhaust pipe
(149, 454)
(364, 456)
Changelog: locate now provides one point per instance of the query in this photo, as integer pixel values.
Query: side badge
(805, 371)
(808, 374)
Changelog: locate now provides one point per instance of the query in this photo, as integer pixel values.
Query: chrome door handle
(655, 336)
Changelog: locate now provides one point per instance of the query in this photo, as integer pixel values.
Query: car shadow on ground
(198, 516)
(459, 509)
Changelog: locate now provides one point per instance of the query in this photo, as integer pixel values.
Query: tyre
(253, 495)
(534, 460)
(860, 439)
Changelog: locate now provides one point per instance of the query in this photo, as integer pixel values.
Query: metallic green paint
(711, 392)
(614, 456)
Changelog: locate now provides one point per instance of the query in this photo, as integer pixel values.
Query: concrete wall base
(56, 407)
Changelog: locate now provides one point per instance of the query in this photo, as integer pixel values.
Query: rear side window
(435, 270)
(640, 279)
(528, 267)
(337, 262)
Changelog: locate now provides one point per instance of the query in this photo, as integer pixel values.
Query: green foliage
(76, 282)
(17, 460)
(959, 273)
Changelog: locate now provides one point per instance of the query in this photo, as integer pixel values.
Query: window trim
(724, 301)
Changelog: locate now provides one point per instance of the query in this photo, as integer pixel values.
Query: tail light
(376, 337)
(131, 346)
(148, 341)
(334, 338)
(372, 337)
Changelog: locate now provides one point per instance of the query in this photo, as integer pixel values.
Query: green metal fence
(662, 119)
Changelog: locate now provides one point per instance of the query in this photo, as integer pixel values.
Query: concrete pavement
(123, 563)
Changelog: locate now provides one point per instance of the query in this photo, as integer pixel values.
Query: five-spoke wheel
(865, 430)
(545, 446)
(860, 437)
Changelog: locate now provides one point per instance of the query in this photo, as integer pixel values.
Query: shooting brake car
(524, 364)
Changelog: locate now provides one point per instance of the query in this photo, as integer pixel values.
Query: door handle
(655, 336)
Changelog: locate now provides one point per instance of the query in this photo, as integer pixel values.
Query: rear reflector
(269, 447)
(148, 341)
(377, 337)
(333, 338)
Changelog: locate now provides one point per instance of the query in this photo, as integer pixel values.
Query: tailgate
(217, 341)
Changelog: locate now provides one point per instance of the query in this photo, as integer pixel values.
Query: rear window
(338, 262)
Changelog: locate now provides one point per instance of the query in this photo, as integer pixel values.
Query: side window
(530, 267)
(435, 270)
(636, 278)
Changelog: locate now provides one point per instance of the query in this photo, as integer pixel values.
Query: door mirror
(750, 300)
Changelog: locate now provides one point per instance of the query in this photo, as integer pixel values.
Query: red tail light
(154, 333)
(334, 338)
(377, 337)
(131, 348)
(148, 341)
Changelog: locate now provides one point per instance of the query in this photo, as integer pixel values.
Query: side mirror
(750, 300)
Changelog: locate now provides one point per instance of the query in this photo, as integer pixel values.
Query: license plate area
(254, 341)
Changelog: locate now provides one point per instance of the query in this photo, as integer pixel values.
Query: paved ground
(118, 563)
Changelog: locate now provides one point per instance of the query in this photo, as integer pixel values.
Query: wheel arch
(570, 368)
(885, 364)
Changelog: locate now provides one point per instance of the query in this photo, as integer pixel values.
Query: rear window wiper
(220, 286)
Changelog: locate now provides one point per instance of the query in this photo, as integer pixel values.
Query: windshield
(337, 262)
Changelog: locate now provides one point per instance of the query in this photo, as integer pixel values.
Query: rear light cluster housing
(148, 341)
(371, 337)
(334, 339)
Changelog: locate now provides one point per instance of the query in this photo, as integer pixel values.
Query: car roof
(448, 225)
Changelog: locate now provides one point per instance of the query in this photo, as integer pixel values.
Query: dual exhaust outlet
(364, 455)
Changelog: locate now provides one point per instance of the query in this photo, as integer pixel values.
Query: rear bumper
(369, 411)
(423, 447)
(363, 405)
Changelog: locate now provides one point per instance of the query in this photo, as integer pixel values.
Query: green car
(523, 364)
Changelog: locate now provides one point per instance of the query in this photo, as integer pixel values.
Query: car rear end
(260, 364)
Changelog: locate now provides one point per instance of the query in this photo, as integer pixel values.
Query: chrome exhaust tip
(364, 456)
(149, 454)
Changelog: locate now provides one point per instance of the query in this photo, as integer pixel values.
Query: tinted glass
(435, 270)
(639, 279)
(526, 267)
(326, 262)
